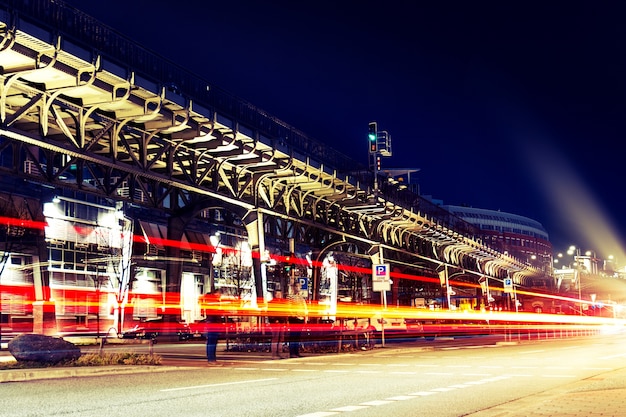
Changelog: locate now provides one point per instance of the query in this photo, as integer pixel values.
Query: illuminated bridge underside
(73, 119)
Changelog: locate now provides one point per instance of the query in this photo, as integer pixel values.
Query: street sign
(380, 277)
(508, 285)
(303, 283)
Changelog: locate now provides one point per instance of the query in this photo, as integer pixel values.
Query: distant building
(521, 237)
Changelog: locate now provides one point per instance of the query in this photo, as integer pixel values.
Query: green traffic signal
(372, 131)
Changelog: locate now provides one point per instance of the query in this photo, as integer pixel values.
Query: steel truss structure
(82, 108)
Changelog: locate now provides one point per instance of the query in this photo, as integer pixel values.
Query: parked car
(192, 331)
(144, 331)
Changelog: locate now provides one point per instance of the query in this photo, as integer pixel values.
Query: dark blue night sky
(510, 105)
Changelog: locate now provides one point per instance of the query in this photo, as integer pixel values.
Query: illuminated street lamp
(571, 251)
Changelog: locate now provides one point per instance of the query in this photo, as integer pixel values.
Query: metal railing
(60, 19)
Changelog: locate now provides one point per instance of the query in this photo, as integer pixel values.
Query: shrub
(119, 358)
(92, 359)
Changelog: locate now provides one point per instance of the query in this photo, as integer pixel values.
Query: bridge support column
(44, 311)
(256, 239)
(174, 270)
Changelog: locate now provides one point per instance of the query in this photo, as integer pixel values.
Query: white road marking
(318, 414)
(401, 398)
(376, 402)
(249, 381)
(350, 408)
(443, 389)
(613, 356)
(422, 393)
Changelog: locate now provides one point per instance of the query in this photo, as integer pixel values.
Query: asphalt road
(451, 380)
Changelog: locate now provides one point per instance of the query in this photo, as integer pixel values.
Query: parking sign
(380, 277)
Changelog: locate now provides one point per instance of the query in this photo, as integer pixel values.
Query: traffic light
(372, 135)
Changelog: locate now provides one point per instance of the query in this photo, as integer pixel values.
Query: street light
(571, 251)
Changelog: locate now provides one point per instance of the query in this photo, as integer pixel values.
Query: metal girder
(87, 124)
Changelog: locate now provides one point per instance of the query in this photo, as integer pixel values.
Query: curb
(21, 375)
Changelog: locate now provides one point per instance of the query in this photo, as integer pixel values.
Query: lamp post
(574, 251)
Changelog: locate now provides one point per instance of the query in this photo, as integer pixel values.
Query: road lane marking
(375, 403)
(422, 393)
(411, 396)
(613, 356)
(249, 381)
(349, 408)
(401, 398)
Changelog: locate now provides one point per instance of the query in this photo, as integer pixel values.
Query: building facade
(521, 237)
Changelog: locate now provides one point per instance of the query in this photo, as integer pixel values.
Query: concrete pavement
(602, 395)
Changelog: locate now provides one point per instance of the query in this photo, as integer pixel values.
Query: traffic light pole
(379, 146)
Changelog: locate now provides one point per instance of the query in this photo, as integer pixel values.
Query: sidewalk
(603, 395)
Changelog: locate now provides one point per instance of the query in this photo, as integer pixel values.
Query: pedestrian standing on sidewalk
(213, 311)
(276, 313)
(296, 319)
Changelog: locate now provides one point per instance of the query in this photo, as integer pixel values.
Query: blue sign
(303, 283)
(381, 271)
